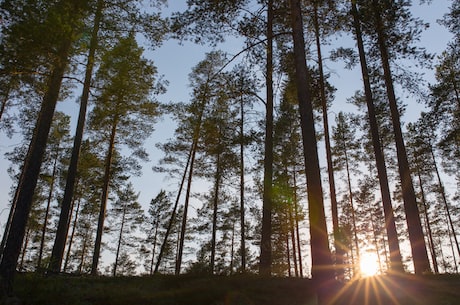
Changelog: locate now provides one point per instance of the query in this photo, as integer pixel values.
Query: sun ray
(369, 264)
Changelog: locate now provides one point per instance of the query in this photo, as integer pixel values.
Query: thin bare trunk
(428, 225)
(339, 248)
(120, 240)
(322, 266)
(64, 217)
(444, 199)
(297, 229)
(288, 254)
(293, 241)
(173, 213)
(232, 249)
(217, 179)
(390, 225)
(242, 191)
(186, 203)
(154, 246)
(353, 216)
(74, 227)
(266, 243)
(47, 210)
(104, 197)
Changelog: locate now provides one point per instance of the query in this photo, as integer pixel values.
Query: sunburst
(369, 265)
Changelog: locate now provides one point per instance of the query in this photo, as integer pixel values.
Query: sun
(369, 264)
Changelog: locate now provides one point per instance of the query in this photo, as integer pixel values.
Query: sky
(175, 62)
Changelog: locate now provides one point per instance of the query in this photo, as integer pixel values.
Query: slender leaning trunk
(31, 168)
(64, 217)
(104, 198)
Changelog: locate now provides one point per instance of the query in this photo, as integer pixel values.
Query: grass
(32, 289)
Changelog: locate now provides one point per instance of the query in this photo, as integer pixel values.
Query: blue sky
(175, 62)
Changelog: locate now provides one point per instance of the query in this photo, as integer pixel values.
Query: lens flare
(369, 264)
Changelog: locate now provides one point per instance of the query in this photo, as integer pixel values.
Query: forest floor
(31, 289)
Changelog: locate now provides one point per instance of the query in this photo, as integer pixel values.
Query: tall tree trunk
(414, 225)
(83, 253)
(180, 249)
(293, 241)
(427, 224)
(193, 151)
(322, 267)
(47, 210)
(288, 255)
(104, 197)
(443, 258)
(173, 213)
(187, 200)
(31, 168)
(390, 225)
(452, 247)
(154, 246)
(215, 202)
(297, 229)
(74, 226)
(242, 191)
(232, 249)
(356, 263)
(266, 244)
(64, 217)
(339, 248)
(120, 240)
(444, 199)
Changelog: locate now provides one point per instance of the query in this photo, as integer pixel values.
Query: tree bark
(217, 179)
(64, 217)
(173, 213)
(242, 191)
(297, 229)
(414, 225)
(427, 224)
(104, 197)
(31, 168)
(444, 199)
(390, 225)
(69, 246)
(339, 248)
(266, 244)
(47, 210)
(120, 239)
(322, 267)
(353, 216)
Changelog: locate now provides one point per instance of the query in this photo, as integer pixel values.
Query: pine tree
(130, 216)
(322, 270)
(158, 213)
(62, 20)
(390, 225)
(125, 111)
